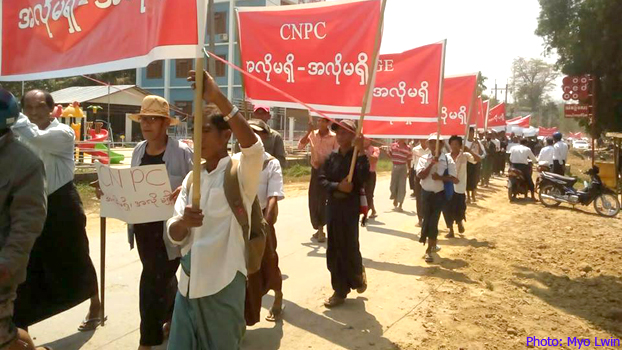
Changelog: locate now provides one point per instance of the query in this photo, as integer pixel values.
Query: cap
(258, 125)
(265, 108)
(347, 123)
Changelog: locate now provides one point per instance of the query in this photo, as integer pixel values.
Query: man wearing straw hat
(343, 256)
(61, 274)
(158, 283)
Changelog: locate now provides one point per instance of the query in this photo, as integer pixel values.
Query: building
(167, 78)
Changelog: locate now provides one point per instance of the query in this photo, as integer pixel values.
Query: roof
(615, 135)
(119, 94)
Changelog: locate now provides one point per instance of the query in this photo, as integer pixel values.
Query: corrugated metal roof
(84, 94)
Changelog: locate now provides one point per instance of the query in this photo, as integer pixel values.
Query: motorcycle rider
(519, 159)
(546, 154)
(560, 155)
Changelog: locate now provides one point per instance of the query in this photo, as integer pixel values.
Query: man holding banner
(158, 283)
(209, 307)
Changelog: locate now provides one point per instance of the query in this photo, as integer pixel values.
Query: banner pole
(440, 101)
(102, 287)
(237, 34)
(199, 67)
(370, 82)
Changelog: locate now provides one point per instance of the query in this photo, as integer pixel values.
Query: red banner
(523, 122)
(546, 132)
(575, 135)
(407, 86)
(482, 113)
(496, 117)
(458, 102)
(54, 38)
(319, 53)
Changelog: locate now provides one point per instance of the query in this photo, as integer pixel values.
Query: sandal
(334, 301)
(275, 315)
(90, 324)
(428, 258)
(363, 287)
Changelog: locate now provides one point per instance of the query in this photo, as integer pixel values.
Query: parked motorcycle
(556, 189)
(542, 167)
(517, 184)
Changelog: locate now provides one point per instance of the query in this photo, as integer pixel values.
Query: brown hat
(346, 123)
(259, 125)
(154, 106)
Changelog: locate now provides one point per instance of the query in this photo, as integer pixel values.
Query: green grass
(87, 194)
(384, 165)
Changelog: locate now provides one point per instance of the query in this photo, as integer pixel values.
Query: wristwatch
(233, 112)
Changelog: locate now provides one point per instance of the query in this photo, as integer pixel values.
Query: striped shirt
(400, 154)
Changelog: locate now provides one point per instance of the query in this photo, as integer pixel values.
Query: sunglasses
(149, 119)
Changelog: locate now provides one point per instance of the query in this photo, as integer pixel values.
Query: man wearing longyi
(209, 307)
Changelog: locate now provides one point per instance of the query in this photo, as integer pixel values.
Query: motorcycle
(517, 184)
(542, 167)
(556, 189)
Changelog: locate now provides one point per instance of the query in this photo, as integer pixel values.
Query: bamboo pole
(370, 80)
(102, 288)
(198, 106)
(594, 82)
(440, 101)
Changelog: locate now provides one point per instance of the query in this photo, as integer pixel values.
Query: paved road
(360, 324)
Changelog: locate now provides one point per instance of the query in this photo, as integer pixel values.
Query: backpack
(254, 232)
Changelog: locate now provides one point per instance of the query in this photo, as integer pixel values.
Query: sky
(482, 35)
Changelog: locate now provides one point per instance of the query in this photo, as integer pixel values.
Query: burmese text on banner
(496, 118)
(44, 39)
(319, 53)
(458, 101)
(135, 195)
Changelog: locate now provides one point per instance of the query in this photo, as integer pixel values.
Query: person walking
(209, 306)
(322, 143)
(61, 274)
(343, 255)
(373, 155)
(431, 170)
(269, 277)
(473, 170)
(454, 211)
(22, 215)
(158, 282)
(401, 156)
(418, 152)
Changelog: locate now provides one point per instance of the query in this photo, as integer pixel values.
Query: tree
(532, 80)
(481, 86)
(587, 37)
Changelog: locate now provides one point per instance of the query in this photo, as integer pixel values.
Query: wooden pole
(594, 82)
(102, 287)
(440, 102)
(198, 106)
(370, 80)
(211, 64)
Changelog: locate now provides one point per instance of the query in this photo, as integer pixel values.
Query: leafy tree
(587, 37)
(532, 80)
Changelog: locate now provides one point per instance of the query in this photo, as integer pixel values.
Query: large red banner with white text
(319, 53)
(496, 118)
(407, 86)
(547, 132)
(55, 38)
(522, 122)
(458, 104)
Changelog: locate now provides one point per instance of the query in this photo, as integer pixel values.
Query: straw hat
(154, 106)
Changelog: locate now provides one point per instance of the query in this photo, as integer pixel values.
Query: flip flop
(90, 324)
(275, 316)
(428, 258)
(334, 302)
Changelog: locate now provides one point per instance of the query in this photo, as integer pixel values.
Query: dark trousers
(158, 282)
(432, 206)
(418, 190)
(559, 168)
(412, 179)
(317, 200)
(370, 187)
(526, 170)
(454, 211)
(343, 256)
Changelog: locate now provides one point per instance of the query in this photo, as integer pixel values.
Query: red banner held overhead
(319, 53)
(546, 132)
(52, 38)
(482, 113)
(458, 101)
(523, 122)
(496, 118)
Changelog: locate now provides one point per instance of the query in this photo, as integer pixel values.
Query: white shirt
(521, 155)
(218, 248)
(561, 151)
(270, 181)
(461, 170)
(418, 152)
(546, 155)
(476, 148)
(55, 147)
(444, 163)
(497, 144)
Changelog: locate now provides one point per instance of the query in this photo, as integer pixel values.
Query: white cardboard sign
(135, 195)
